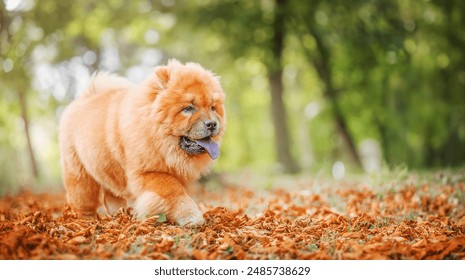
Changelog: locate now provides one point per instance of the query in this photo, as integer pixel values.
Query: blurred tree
(320, 55)
(383, 65)
(448, 39)
(275, 78)
(254, 27)
(13, 46)
(27, 131)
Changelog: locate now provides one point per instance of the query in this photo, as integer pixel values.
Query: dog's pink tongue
(211, 146)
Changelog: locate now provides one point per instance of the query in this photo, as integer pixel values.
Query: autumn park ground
(398, 216)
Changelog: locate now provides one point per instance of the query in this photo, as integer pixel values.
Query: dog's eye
(213, 108)
(189, 109)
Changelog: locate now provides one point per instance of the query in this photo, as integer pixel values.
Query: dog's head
(188, 103)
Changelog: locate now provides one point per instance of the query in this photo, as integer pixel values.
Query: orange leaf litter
(408, 222)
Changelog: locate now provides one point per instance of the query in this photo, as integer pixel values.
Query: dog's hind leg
(82, 191)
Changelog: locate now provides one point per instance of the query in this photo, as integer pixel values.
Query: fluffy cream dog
(139, 145)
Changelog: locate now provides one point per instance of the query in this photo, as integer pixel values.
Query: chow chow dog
(139, 145)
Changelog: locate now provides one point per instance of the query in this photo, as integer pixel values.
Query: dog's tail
(103, 82)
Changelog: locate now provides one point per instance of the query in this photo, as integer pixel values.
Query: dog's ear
(158, 81)
(162, 77)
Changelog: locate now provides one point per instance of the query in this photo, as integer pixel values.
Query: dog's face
(190, 108)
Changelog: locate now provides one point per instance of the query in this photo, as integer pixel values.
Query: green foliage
(397, 68)
(161, 217)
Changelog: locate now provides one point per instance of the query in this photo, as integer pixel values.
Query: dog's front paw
(187, 213)
(193, 220)
(181, 210)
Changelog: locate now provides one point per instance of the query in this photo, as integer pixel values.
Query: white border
(140, 270)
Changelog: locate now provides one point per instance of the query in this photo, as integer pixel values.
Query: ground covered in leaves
(304, 218)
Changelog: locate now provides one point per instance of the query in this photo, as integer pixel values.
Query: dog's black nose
(211, 125)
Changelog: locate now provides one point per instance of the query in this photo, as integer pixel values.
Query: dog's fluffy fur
(120, 142)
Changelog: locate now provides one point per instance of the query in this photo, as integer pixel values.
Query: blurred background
(332, 86)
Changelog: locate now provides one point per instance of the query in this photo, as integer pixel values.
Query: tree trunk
(275, 80)
(278, 113)
(343, 130)
(323, 68)
(24, 116)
